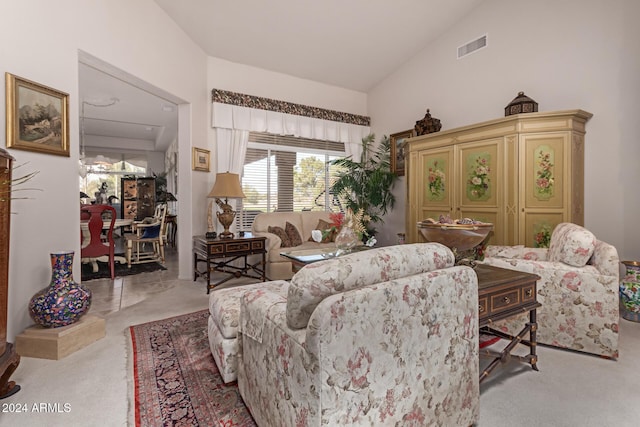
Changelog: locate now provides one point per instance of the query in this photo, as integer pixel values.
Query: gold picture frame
(200, 159)
(37, 117)
(397, 150)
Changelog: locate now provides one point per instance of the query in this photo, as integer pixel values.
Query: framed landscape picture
(37, 117)
(397, 150)
(200, 161)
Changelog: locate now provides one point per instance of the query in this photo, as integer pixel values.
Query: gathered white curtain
(353, 149)
(232, 148)
(232, 117)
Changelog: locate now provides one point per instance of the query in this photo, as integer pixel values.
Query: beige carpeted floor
(90, 387)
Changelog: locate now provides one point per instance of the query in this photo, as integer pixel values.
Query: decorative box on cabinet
(524, 173)
(138, 198)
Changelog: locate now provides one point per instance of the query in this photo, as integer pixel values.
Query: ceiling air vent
(472, 46)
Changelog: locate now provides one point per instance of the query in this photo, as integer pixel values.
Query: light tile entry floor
(109, 295)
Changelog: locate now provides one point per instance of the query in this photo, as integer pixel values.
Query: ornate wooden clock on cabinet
(524, 173)
(9, 359)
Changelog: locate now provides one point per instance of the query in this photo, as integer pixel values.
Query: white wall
(41, 43)
(240, 78)
(565, 55)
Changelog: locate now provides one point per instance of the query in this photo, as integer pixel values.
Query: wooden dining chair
(98, 245)
(151, 231)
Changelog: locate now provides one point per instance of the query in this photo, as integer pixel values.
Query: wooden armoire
(524, 173)
(9, 359)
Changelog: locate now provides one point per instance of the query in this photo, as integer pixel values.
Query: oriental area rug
(176, 382)
(121, 270)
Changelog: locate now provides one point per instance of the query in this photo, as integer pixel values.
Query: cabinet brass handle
(480, 308)
(506, 300)
(529, 292)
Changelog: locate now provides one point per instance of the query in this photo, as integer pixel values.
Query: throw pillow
(571, 244)
(279, 231)
(322, 226)
(293, 234)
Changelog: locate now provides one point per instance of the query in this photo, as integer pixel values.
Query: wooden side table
(219, 254)
(502, 294)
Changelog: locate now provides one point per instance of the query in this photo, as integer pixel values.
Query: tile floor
(114, 295)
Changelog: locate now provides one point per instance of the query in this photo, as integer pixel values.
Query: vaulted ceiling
(353, 44)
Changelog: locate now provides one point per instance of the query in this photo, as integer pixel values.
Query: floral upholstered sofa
(386, 336)
(267, 224)
(578, 289)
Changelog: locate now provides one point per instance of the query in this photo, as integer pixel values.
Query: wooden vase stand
(9, 361)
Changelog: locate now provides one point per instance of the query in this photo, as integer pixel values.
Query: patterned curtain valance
(253, 114)
(243, 100)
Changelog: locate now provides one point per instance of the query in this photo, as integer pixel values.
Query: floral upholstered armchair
(386, 336)
(578, 289)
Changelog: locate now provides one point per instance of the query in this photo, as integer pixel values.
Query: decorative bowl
(461, 237)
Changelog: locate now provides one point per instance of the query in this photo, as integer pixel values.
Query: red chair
(98, 246)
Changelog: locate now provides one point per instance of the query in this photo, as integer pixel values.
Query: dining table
(84, 229)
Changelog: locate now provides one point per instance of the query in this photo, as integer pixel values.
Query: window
(286, 174)
(110, 171)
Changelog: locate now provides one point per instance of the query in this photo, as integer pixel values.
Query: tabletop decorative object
(462, 236)
(63, 301)
(521, 104)
(352, 231)
(427, 125)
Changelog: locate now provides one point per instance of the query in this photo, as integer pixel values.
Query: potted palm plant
(365, 184)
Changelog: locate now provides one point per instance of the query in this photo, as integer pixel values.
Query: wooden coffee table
(503, 294)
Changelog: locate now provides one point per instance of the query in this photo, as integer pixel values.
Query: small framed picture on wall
(200, 161)
(397, 150)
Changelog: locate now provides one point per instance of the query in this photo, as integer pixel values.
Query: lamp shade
(227, 185)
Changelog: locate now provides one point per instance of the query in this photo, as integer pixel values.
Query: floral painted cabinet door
(480, 187)
(436, 194)
(544, 200)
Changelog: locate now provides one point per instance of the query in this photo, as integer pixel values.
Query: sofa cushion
(321, 279)
(263, 220)
(309, 220)
(289, 236)
(293, 235)
(498, 251)
(279, 231)
(571, 244)
(224, 304)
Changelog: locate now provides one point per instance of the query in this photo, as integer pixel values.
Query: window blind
(287, 174)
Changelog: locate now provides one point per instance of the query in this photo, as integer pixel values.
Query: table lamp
(227, 186)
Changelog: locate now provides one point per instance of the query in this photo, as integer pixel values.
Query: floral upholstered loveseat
(279, 267)
(578, 289)
(386, 336)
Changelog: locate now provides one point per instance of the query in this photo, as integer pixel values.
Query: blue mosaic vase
(64, 301)
(630, 292)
